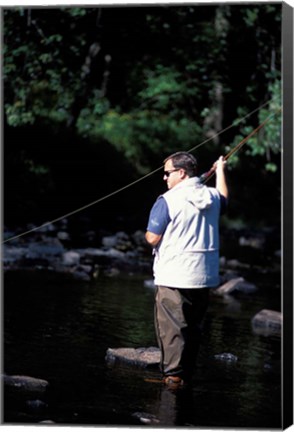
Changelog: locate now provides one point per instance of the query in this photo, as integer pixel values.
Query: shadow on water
(60, 332)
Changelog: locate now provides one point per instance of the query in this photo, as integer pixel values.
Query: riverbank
(56, 249)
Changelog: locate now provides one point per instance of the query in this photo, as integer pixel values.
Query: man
(183, 229)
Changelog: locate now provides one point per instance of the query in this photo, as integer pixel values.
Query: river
(60, 331)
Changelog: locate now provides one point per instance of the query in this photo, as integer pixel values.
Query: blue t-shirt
(159, 217)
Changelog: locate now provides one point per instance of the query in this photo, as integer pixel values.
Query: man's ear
(182, 173)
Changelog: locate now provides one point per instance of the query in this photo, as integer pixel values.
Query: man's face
(172, 175)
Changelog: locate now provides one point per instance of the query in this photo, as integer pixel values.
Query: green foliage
(39, 82)
(172, 93)
(267, 142)
(157, 124)
(146, 81)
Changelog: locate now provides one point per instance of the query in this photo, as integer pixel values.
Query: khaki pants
(178, 317)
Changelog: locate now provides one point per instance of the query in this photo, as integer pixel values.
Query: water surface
(60, 331)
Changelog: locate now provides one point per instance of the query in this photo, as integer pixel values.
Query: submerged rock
(149, 284)
(236, 264)
(36, 406)
(267, 322)
(226, 357)
(146, 418)
(256, 242)
(141, 357)
(47, 422)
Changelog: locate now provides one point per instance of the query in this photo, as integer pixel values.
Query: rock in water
(226, 357)
(267, 322)
(141, 357)
(235, 284)
(146, 418)
(20, 384)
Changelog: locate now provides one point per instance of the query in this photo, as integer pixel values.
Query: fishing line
(84, 207)
(208, 175)
(132, 183)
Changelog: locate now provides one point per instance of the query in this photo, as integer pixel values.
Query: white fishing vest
(188, 254)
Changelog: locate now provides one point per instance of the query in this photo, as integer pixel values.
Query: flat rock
(22, 384)
(235, 284)
(141, 357)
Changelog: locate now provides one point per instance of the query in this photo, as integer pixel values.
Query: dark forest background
(96, 97)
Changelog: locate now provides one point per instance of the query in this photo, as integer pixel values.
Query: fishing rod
(205, 177)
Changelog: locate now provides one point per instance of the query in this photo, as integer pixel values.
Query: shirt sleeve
(159, 217)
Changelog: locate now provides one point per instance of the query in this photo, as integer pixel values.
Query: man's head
(178, 167)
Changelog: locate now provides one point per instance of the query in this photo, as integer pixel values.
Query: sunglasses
(168, 173)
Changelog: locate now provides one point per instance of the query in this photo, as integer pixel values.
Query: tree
(145, 81)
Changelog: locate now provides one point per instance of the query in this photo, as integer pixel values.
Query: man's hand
(220, 164)
(221, 183)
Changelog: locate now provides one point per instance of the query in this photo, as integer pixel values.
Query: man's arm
(158, 221)
(152, 239)
(221, 183)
